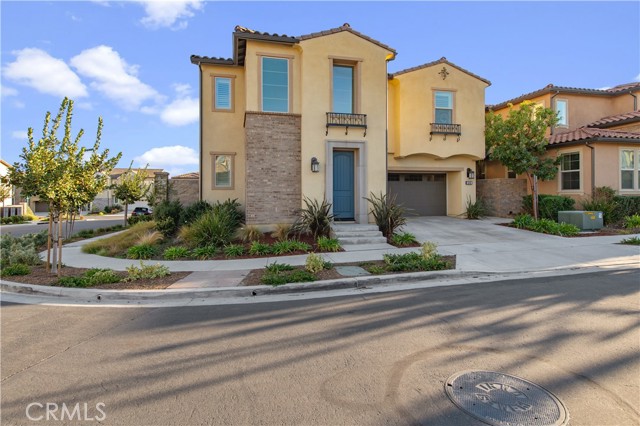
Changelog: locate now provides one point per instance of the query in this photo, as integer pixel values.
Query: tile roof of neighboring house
(347, 27)
(192, 175)
(242, 34)
(442, 60)
(5, 163)
(616, 120)
(551, 88)
(115, 173)
(586, 134)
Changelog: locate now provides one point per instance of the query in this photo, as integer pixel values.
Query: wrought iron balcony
(341, 119)
(445, 129)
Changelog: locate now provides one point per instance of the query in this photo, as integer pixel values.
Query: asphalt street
(379, 359)
(92, 222)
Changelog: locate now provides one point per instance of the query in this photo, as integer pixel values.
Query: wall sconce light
(315, 165)
(471, 174)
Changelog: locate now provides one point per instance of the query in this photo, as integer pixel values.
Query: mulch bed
(255, 276)
(40, 276)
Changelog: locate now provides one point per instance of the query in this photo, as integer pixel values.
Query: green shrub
(283, 247)
(328, 244)
(477, 209)
(233, 250)
(141, 251)
(314, 263)
(132, 220)
(86, 233)
(20, 250)
(314, 218)
(90, 278)
(278, 267)
(191, 213)
(388, 215)
(204, 252)
(403, 240)
(16, 269)
(282, 231)
(523, 221)
(211, 229)
(295, 276)
(602, 200)
(250, 233)
(429, 250)
(548, 205)
(376, 269)
(113, 209)
(232, 210)
(173, 253)
(625, 206)
(116, 244)
(634, 241)
(546, 226)
(300, 246)
(409, 262)
(146, 272)
(167, 216)
(631, 222)
(259, 249)
(566, 230)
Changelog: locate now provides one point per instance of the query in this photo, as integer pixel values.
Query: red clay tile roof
(192, 175)
(585, 134)
(347, 27)
(442, 60)
(195, 59)
(551, 88)
(614, 120)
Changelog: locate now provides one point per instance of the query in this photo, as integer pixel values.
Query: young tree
(519, 142)
(55, 171)
(131, 188)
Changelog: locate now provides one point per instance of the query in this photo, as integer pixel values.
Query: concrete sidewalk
(481, 247)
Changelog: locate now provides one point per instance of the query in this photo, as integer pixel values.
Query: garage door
(424, 193)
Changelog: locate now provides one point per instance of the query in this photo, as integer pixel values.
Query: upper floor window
(629, 169)
(570, 171)
(443, 107)
(343, 89)
(222, 93)
(561, 111)
(275, 84)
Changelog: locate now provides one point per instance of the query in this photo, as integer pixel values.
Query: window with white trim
(222, 93)
(630, 170)
(275, 84)
(570, 171)
(562, 111)
(443, 102)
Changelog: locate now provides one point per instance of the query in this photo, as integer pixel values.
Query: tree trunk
(59, 247)
(126, 210)
(54, 237)
(535, 197)
(48, 268)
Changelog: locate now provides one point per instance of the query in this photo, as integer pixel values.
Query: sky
(128, 61)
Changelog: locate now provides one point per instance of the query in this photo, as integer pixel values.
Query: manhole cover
(500, 399)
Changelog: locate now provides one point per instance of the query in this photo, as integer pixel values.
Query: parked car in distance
(141, 211)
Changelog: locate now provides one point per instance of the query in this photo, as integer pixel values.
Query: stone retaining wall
(502, 196)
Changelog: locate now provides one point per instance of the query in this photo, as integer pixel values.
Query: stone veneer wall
(273, 186)
(187, 191)
(502, 196)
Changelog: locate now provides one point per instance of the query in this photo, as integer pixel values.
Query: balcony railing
(445, 129)
(341, 119)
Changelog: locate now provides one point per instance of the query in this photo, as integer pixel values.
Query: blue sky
(129, 61)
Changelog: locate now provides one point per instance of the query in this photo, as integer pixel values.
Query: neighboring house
(308, 116)
(598, 138)
(185, 188)
(6, 197)
(107, 197)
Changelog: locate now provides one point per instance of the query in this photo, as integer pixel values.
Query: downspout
(552, 106)
(593, 168)
(201, 153)
(386, 131)
(635, 101)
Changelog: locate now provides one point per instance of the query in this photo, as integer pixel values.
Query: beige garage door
(424, 193)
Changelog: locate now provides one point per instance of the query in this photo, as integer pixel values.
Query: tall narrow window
(443, 107)
(223, 171)
(343, 89)
(627, 169)
(275, 84)
(570, 171)
(222, 93)
(561, 111)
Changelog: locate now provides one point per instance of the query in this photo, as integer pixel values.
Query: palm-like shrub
(212, 228)
(315, 218)
(388, 215)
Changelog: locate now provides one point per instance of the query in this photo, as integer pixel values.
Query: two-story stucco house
(319, 116)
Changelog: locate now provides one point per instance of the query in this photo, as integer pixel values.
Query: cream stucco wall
(223, 132)
(608, 166)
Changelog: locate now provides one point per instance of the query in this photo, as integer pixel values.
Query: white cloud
(19, 134)
(84, 105)
(168, 157)
(30, 67)
(169, 14)
(8, 91)
(183, 110)
(113, 77)
(637, 77)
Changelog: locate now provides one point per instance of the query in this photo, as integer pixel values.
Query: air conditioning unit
(585, 220)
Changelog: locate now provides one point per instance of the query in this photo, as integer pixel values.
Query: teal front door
(343, 185)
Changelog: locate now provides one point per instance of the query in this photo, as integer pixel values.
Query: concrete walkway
(480, 246)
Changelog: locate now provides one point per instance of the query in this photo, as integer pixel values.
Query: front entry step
(358, 237)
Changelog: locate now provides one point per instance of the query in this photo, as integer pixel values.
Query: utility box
(585, 220)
